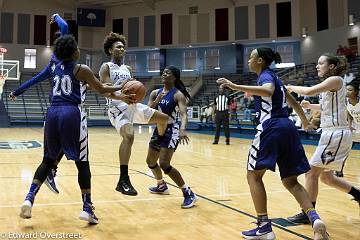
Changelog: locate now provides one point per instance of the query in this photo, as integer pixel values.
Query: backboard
(9, 69)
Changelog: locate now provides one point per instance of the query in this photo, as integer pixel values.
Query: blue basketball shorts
(66, 133)
(169, 140)
(278, 142)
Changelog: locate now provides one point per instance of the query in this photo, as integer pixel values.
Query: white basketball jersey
(354, 111)
(333, 109)
(118, 74)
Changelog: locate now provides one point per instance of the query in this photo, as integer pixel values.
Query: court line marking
(235, 209)
(139, 199)
(218, 202)
(97, 202)
(110, 174)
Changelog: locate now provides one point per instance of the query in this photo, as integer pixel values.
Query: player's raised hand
(128, 98)
(52, 19)
(122, 95)
(225, 83)
(12, 96)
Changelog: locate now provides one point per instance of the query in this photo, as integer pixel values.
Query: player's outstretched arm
(333, 83)
(85, 74)
(64, 28)
(266, 90)
(44, 74)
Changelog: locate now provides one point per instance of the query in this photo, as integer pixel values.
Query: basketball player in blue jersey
(121, 113)
(336, 139)
(66, 127)
(43, 75)
(171, 99)
(277, 142)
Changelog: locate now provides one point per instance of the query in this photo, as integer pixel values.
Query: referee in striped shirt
(222, 116)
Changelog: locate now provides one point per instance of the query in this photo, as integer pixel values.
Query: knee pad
(84, 175)
(153, 167)
(167, 170)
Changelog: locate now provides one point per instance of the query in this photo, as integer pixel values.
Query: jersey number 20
(63, 85)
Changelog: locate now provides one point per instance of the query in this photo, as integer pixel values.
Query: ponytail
(268, 55)
(340, 62)
(181, 87)
(178, 83)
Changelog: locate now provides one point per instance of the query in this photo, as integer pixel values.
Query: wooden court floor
(215, 172)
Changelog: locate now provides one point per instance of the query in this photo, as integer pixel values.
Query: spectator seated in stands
(348, 77)
(233, 110)
(203, 114)
(340, 51)
(209, 111)
(345, 51)
(349, 54)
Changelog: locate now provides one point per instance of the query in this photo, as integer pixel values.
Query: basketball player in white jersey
(353, 108)
(335, 141)
(122, 113)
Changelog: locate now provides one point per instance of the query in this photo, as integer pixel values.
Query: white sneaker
(26, 209)
(87, 214)
(320, 230)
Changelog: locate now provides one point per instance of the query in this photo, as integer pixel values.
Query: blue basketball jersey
(274, 106)
(168, 105)
(66, 88)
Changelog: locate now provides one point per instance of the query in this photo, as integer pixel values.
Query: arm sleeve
(44, 74)
(64, 29)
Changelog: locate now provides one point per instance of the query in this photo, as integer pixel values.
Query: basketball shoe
(50, 181)
(190, 198)
(263, 231)
(160, 189)
(26, 207)
(124, 186)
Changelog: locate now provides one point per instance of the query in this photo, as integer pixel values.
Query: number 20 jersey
(67, 90)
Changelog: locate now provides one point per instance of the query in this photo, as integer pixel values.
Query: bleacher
(209, 89)
(31, 106)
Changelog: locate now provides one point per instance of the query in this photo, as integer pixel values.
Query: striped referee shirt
(222, 103)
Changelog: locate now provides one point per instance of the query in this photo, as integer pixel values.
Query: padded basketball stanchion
(2, 83)
(4, 118)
